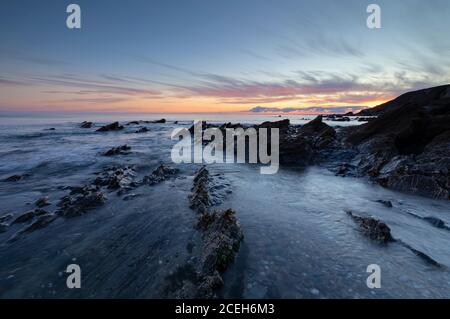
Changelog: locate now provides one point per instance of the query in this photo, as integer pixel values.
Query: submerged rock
(142, 130)
(41, 202)
(41, 222)
(120, 150)
(111, 127)
(13, 178)
(5, 217)
(386, 203)
(373, 228)
(161, 121)
(27, 216)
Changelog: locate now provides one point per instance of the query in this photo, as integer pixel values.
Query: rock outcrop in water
(407, 147)
(86, 124)
(120, 150)
(111, 127)
(160, 174)
(372, 228)
(221, 238)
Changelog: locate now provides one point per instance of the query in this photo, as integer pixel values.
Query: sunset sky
(217, 55)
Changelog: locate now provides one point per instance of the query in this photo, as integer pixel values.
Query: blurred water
(299, 243)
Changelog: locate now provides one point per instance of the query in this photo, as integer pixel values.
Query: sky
(218, 55)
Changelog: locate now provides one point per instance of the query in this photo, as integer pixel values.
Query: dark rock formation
(41, 222)
(142, 130)
(111, 127)
(423, 97)
(81, 202)
(120, 150)
(86, 124)
(372, 228)
(27, 216)
(13, 178)
(115, 177)
(222, 236)
(41, 202)
(160, 174)
(407, 147)
(161, 121)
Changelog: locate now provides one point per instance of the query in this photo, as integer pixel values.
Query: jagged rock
(372, 228)
(222, 236)
(120, 150)
(199, 199)
(86, 124)
(41, 202)
(407, 147)
(79, 204)
(110, 127)
(161, 121)
(5, 217)
(27, 216)
(116, 177)
(13, 178)
(160, 174)
(142, 130)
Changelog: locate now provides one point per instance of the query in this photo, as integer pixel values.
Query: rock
(407, 147)
(51, 129)
(282, 124)
(160, 174)
(77, 205)
(386, 203)
(120, 150)
(86, 124)
(41, 202)
(142, 130)
(13, 178)
(116, 177)
(133, 123)
(372, 228)
(5, 217)
(199, 199)
(110, 127)
(41, 222)
(27, 216)
(222, 236)
(161, 121)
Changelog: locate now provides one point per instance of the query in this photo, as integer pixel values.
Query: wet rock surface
(86, 124)
(160, 174)
(111, 127)
(372, 228)
(119, 150)
(221, 238)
